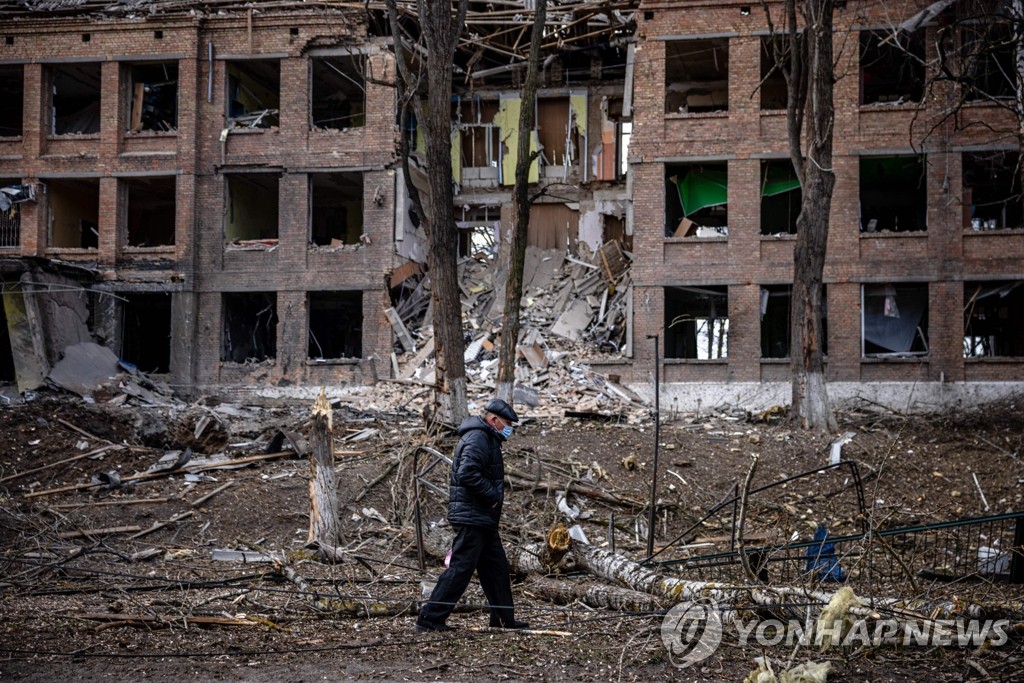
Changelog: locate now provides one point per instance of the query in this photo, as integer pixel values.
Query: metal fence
(10, 228)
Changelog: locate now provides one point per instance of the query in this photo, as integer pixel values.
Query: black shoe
(422, 627)
(517, 625)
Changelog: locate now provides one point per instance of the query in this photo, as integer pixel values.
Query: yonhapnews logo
(692, 632)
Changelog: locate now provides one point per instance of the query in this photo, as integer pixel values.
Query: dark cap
(501, 409)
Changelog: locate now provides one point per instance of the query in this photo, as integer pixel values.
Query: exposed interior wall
(252, 206)
(553, 226)
(153, 96)
(478, 135)
(151, 211)
(12, 99)
(250, 326)
(74, 208)
(75, 98)
(336, 208)
(507, 119)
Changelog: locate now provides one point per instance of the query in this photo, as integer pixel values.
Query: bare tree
(521, 216)
(804, 55)
(431, 67)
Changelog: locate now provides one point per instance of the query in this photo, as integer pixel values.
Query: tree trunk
(810, 404)
(599, 595)
(521, 217)
(532, 558)
(323, 494)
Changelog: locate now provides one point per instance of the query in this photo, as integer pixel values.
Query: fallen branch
(160, 525)
(65, 461)
(592, 594)
(89, 533)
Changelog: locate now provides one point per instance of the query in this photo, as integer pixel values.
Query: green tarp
(701, 189)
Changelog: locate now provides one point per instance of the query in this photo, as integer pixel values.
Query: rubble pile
(573, 312)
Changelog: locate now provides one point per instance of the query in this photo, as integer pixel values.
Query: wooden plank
(399, 327)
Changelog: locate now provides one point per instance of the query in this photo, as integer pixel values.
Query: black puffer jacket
(478, 475)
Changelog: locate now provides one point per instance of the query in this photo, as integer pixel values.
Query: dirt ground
(90, 591)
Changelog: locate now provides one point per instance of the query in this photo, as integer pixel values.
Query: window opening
(780, 197)
(992, 314)
(153, 94)
(481, 143)
(12, 195)
(250, 326)
(696, 322)
(893, 195)
(773, 83)
(252, 208)
(992, 190)
(74, 212)
(335, 325)
(697, 76)
(891, 67)
(151, 211)
(776, 323)
(989, 70)
(75, 99)
(254, 93)
(146, 331)
(336, 208)
(696, 198)
(895, 320)
(12, 100)
(339, 92)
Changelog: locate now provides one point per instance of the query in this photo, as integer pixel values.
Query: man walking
(474, 509)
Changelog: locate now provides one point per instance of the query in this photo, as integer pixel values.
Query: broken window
(12, 193)
(891, 67)
(75, 98)
(254, 93)
(697, 76)
(250, 326)
(696, 322)
(336, 208)
(74, 212)
(610, 161)
(146, 331)
(696, 199)
(992, 190)
(780, 197)
(479, 135)
(153, 96)
(151, 211)
(338, 94)
(479, 228)
(895, 320)
(12, 100)
(558, 130)
(773, 83)
(776, 301)
(893, 195)
(252, 207)
(992, 315)
(335, 325)
(989, 69)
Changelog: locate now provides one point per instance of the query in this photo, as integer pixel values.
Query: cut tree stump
(324, 526)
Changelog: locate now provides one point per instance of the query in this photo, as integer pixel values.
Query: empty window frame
(894, 320)
(254, 93)
(776, 322)
(250, 326)
(479, 228)
(988, 66)
(696, 322)
(251, 206)
(338, 93)
(697, 76)
(336, 208)
(480, 137)
(780, 197)
(992, 314)
(335, 325)
(696, 200)
(893, 194)
(74, 210)
(891, 67)
(152, 96)
(75, 98)
(558, 131)
(13, 193)
(146, 330)
(150, 211)
(773, 83)
(12, 100)
(992, 190)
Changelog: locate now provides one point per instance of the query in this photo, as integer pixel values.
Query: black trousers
(475, 548)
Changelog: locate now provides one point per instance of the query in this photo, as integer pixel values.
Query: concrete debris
(573, 310)
(85, 368)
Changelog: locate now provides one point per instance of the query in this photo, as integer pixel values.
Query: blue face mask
(507, 431)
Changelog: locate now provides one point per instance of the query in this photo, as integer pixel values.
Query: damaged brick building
(211, 190)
